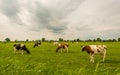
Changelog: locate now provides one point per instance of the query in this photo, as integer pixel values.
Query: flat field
(43, 60)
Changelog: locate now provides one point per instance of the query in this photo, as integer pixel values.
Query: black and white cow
(20, 47)
(37, 44)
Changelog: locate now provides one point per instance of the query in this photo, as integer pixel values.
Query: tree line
(75, 40)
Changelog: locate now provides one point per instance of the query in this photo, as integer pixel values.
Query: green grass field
(45, 61)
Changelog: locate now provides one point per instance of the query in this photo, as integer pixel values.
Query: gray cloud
(11, 9)
(80, 18)
(45, 20)
(65, 8)
(51, 19)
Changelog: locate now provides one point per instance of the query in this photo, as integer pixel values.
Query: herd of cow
(90, 49)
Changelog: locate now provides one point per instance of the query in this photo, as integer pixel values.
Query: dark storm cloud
(42, 15)
(46, 18)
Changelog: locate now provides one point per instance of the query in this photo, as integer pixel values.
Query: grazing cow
(20, 47)
(37, 44)
(95, 49)
(62, 46)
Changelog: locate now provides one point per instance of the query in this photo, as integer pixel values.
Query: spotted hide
(95, 49)
(62, 46)
(20, 47)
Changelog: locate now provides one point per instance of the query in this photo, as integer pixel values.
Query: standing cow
(95, 49)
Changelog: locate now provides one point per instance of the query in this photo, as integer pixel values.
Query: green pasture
(44, 60)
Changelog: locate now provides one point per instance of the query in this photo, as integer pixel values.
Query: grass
(45, 61)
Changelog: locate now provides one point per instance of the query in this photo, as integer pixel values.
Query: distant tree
(37, 40)
(104, 40)
(77, 39)
(43, 39)
(109, 40)
(7, 39)
(89, 40)
(99, 39)
(119, 39)
(94, 40)
(16, 41)
(50, 41)
(114, 40)
(65, 40)
(60, 39)
(74, 40)
(68, 40)
(27, 40)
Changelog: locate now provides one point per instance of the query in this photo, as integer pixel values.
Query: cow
(95, 49)
(37, 44)
(20, 47)
(62, 46)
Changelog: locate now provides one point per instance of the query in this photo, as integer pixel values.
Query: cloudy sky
(53, 19)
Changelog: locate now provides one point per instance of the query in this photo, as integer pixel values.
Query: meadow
(44, 60)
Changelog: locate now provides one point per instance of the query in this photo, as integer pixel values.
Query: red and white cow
(62, 46)
(95, 49)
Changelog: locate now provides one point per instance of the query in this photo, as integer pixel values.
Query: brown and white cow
(62, 46)
(95, 49)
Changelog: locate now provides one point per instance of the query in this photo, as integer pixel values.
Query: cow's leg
(22, 52)
(66, 48)
(104, 55)
(37, 45)
(61, 50)
(91, 58)
(15, 50)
